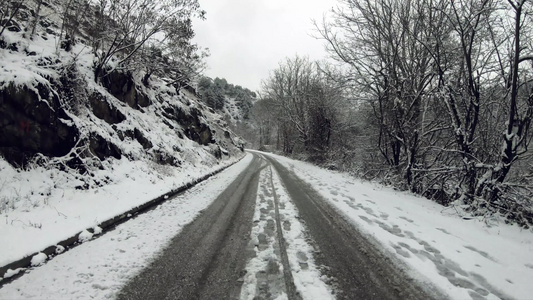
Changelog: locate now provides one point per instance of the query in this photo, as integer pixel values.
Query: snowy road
(207, 259)
(273, 228)
(255, 231)
(357, 269)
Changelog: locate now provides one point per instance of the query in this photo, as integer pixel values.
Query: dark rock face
(165, 158)
(123, 88)
(189, 89)
(194, 128)
(29, 125)
(217, 152)
(139, 136)
(102, 148)
(33, 121)
(10, 25)
(104, 110)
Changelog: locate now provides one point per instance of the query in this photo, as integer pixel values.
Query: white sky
(248, 38)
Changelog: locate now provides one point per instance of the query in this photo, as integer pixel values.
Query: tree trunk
(36, 20)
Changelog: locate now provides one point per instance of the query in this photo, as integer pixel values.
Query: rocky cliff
(53, 111)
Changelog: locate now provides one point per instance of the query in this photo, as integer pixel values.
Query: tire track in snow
(283, 266)
(289, 281)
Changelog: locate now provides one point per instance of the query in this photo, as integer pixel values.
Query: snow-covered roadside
(41, 205)
(98, 269)
(264, 276)
(61, 210)
(466, 259)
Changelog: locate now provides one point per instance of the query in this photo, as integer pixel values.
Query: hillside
(73, 139)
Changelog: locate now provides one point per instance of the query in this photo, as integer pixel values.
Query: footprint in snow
(401, 251)
(406, 246)
(286, 225)
(350, 204)
(302, 260)
(407, 219)
(482, 253)
(443, 230)
(366, 219)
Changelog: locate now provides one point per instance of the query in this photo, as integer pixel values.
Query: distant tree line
(214, 92)
(304, 104)
(435, 97)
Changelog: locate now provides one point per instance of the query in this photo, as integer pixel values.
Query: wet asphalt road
(207, 259)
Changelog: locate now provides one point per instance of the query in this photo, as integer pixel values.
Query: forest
(216, 92)
(434, 97)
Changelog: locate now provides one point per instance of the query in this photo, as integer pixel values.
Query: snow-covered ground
(99, 268)
(53, 209)
(470, 258)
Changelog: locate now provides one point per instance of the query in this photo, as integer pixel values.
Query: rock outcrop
(102, 148)
(102, 109)
(122, 86)
(32, 121)
(192, 122)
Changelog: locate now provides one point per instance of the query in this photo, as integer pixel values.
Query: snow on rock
(85, 236)
(10, 273)
(97, 230)
(38, 259)
(59, 249)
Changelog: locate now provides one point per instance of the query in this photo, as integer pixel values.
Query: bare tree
(36, 18)
(264, 117)
(288, 86)
(443, 80)
(514, 61)
(8, 11)
(127, 25)
(378, 40)
(307, 104)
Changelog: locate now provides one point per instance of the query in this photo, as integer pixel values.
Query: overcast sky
(248, 38)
